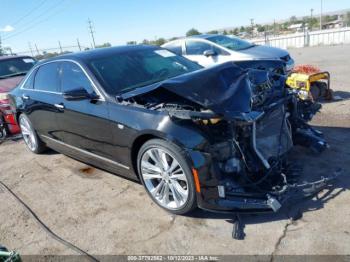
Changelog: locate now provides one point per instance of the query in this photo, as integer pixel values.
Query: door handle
(25, 97)
(59, 106)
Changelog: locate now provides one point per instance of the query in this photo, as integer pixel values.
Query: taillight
(4, 100)
(5, 106)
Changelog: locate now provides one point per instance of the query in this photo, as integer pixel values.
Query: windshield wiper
(12, 75)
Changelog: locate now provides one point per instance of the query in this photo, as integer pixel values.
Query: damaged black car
(216, 138)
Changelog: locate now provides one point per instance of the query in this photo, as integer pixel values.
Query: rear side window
(73, 78)
(47, 78)
(30, 81)
(175, 48)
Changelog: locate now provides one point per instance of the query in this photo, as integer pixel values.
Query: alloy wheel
(164, 178)
(28, 134)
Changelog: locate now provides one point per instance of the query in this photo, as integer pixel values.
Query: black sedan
(217, 138)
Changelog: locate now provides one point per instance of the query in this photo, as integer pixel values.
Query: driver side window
(197, 48)
(73, 77)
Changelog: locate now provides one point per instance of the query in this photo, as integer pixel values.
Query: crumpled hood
(265, 52)
(6, 85)
(224, 89)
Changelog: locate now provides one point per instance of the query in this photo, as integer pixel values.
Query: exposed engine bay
(252, 120)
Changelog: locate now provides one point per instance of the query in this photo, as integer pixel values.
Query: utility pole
(78, 44)
(37, 50)
(30, 48)
(91, 32)
(311, 18)
(59, 44)
(321, 14)
(252, 24)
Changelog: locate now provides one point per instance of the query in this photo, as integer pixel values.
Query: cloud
(7, 28)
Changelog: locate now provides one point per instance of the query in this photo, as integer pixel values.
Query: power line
(32, 25)
(92, 32)
(29, 13)
(48, 13)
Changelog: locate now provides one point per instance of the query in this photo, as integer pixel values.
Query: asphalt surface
(106, 214)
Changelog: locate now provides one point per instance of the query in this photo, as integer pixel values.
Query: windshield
(232, 43)
(126, 71)
(15, 66)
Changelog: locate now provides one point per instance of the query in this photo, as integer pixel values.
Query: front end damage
(251, 122)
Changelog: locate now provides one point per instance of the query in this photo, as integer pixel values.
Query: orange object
(306, 69)
(196, 180)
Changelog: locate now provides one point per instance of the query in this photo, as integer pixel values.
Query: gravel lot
(106, 214)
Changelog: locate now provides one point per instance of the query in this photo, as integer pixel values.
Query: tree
(293, 19)
(242, 29)
(192, 31)
(235, 31)
(261, 28)
(104, 45)
(225, 32)
(131, 43)
(213, 32)
(347, 18)
(313, 23)
(159, 42)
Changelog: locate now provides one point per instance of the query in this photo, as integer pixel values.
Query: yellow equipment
(311, 86)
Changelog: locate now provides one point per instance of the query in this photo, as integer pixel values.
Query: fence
(307, 38)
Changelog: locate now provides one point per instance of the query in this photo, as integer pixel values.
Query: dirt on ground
(103, 213)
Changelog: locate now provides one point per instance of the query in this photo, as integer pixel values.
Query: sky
(45, 22)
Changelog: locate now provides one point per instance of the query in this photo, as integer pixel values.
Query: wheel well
(136, 148)
(17, 116)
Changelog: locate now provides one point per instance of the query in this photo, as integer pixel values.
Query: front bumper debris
(269, 202)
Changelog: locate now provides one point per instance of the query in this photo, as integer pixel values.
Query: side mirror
(209, 52)
(78, 94)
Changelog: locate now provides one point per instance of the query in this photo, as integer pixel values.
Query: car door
(40, 96)
(83, 124)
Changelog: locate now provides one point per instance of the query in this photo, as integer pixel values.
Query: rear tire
(30, 136)
(167, 176)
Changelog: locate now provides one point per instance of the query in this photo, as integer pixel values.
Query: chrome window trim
(102, 97)
(86, 152)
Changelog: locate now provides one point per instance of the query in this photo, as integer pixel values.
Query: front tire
(31, 138)
(167, 176)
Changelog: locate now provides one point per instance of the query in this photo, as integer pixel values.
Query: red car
(12, 71)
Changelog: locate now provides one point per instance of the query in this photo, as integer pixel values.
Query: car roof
(8, 57)
(102, 52)
(202, 36)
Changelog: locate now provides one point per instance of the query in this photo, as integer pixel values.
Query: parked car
(217, 138)
(12, 71)
(208, 50)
